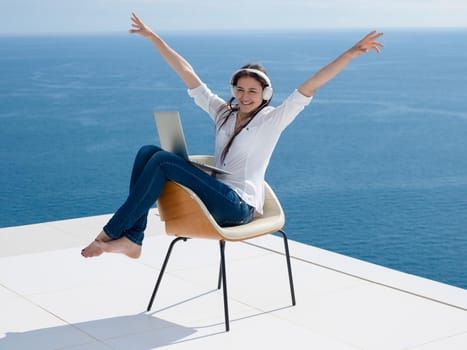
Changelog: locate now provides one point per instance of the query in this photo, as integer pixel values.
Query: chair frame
(222, 279)
(185, 204)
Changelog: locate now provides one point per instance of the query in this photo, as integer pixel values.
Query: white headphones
(267, 91)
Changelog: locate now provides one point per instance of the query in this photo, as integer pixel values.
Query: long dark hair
(229, 108)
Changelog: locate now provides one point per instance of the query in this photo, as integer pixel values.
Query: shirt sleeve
(284, 114)
(206, 100)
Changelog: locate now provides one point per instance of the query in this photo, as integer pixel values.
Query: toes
(92, 250)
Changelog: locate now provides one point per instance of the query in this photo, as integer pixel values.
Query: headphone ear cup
(267, 93)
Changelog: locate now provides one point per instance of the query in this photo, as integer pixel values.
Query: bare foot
(95, 248)
(123, 246)
(92, 250)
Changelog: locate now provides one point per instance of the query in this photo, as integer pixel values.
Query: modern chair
(186, 216)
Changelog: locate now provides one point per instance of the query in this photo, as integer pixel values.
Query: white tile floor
(52, 298)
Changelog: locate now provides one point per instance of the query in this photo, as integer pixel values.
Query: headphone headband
(255, 71)
(267, 91)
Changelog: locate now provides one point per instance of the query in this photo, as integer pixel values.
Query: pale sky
(78, 16)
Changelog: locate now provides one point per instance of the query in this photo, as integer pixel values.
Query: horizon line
(232, 31)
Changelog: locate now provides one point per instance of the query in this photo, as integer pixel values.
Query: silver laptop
(172, 139)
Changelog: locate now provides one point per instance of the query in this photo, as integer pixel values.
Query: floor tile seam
(204, 265)
(330, 335)
(193, 284)
(74, 346)
(41, 251)
(62, 290)
(261, 312)
(24, 297)
(204, 293)
(342, 339)
(248, 258)
(385, 285)
(200, 291)
(214, 289)
(189, 338)
(182, 275)
(99, 283)
(203, 321)
(22, 252)
(347, 341)
(177, 273)
(434, 341)
(332, 293)
(104, 340)
(169, 269)
(418, 295)
(275, 314)
(209, 265)
(54, 315)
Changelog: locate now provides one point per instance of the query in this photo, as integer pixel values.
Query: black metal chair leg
(222, 280)
(166, 260)
(289, 266)
(224, 284)
(219, 279)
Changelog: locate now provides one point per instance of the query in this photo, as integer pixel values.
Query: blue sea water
(374, 168)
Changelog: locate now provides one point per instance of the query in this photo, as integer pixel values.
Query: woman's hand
(179, 64)
(139, 27)
(325, 74)
(366, 44)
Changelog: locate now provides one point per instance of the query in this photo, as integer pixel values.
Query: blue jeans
(151, 169)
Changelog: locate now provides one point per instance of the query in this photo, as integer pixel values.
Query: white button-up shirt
(249, 155)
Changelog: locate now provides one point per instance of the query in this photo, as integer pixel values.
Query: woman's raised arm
(179, 64)
(325, 74)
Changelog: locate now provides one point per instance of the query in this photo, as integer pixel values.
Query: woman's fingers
(369, 42)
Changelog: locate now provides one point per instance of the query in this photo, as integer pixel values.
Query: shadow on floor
(137, 332)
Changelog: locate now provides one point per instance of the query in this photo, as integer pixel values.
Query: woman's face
(249, 94)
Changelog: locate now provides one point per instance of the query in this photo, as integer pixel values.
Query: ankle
(123, 246)
(103, 237)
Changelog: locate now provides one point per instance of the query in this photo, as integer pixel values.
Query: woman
(246, 134)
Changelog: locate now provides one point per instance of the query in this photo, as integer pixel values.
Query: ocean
(375, 168)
